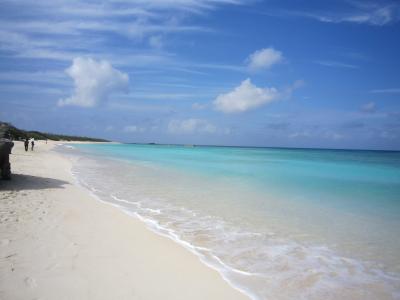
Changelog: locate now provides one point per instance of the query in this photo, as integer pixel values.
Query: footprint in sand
(30, 282)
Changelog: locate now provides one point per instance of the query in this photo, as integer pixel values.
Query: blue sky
(226, 72)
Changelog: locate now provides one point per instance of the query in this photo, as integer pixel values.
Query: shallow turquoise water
(357, 180)
(330, 217)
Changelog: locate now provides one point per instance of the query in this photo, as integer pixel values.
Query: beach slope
(58, 242)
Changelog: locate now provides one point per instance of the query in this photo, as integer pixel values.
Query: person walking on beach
(26, 143)
(32, 143)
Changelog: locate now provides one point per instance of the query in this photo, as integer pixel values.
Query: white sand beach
(59, 242)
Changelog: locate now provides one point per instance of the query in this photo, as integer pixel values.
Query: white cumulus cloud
(245, 97)
(191, 126)
(264, 59)
(94, 81)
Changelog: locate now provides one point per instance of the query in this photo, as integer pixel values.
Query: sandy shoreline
(58, 242)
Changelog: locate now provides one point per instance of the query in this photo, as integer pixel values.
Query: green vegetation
(18, 134)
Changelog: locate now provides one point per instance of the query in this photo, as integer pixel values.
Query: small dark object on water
(5, 150)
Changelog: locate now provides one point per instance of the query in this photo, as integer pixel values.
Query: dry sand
(58, 242)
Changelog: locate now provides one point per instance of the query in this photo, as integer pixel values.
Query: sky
(320, 74)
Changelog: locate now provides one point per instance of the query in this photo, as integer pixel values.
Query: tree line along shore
(20, 134)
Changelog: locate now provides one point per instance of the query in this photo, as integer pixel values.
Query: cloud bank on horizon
(205, 71)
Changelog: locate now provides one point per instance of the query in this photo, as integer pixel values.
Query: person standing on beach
(32, 143)
(26, 143)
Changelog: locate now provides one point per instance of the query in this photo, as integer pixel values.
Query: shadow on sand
(21, 182)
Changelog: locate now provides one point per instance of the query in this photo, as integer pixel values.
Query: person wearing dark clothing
(33, 144)
(26, 143)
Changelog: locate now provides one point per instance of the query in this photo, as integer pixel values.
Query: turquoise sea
(276, 223)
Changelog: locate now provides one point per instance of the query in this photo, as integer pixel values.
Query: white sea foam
(263, 265)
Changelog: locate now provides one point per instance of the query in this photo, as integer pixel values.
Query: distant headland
(21, 134)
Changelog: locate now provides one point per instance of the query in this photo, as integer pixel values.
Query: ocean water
(276, 223)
